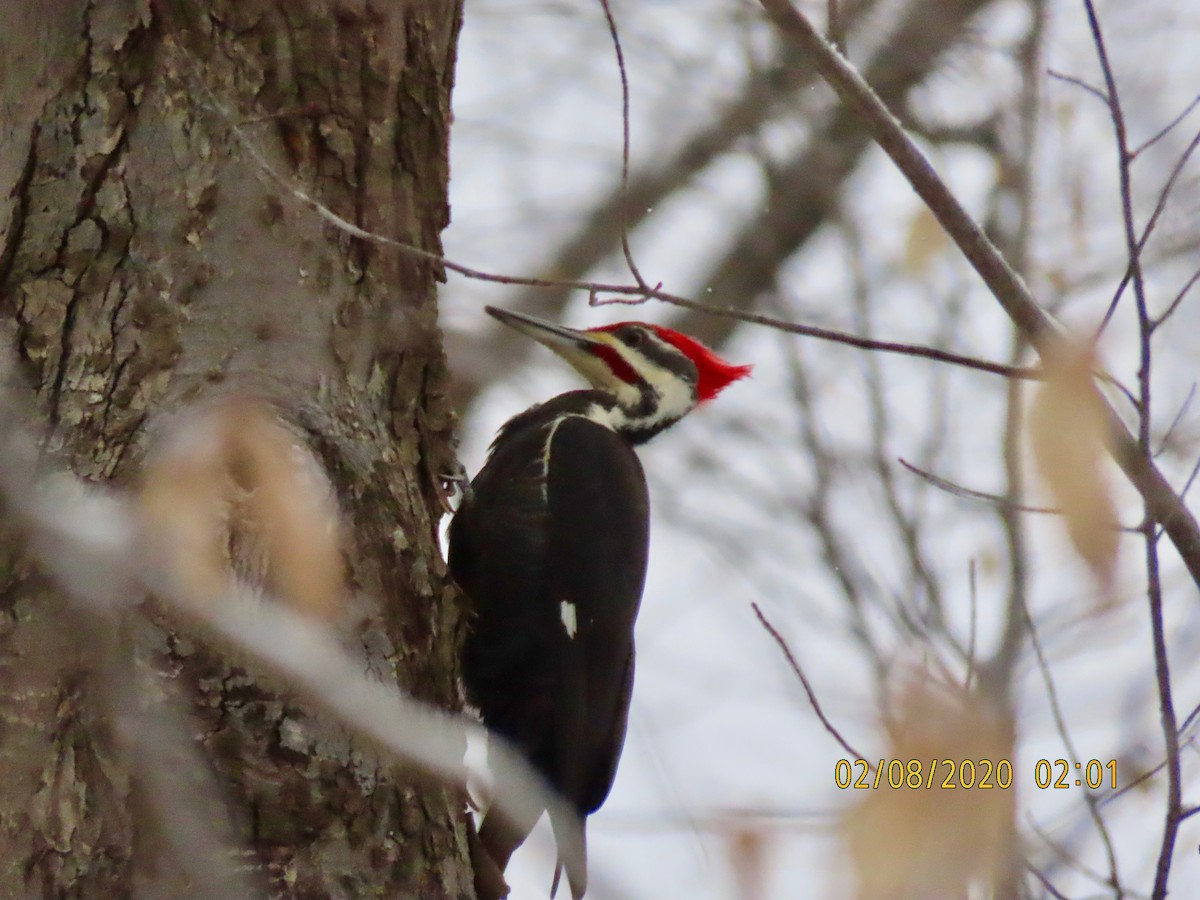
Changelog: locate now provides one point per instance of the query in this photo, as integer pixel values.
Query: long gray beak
(558, 338)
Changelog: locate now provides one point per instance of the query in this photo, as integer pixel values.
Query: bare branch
(1046, 883)
(640, 293)
(616, 40)
(1167, 129)
(799, 672)
(1183, 408)
(1060, 723)
(1005, 285)
(1083, 85)
(958, 490)
(1179, 298)
(1163, 196)
(804, 190)
(1154, 597)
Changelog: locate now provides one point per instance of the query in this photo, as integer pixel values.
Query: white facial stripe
(597, 372)
(566, 612)
(675, 396)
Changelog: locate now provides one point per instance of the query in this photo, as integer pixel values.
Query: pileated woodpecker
(550, 546)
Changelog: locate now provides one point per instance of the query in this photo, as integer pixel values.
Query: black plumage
(550, 546)
(558, 515)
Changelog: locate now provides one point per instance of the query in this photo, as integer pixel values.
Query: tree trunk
(150, 263)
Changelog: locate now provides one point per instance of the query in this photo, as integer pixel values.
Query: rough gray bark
(147, 264)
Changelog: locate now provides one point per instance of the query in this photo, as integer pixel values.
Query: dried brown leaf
(233, 491)
(926, 240)
(932, 841)
(1068, 432)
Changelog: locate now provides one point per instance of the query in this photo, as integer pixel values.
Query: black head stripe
(659, 352)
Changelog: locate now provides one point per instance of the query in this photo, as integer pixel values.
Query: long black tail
(499, 837)
(571, 837)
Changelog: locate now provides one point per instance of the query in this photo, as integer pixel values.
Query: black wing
(498, 556)
(556, 535)
(599, 514)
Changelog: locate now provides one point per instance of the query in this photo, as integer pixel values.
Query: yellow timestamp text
(1061, 774)
(924, 774)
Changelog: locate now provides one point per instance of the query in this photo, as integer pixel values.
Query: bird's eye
(636, 338)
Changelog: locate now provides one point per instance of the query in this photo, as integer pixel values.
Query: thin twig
(1165, 439)
(616, 40)
(799, 672)
(1167, 129)
(1187, 485)
(1179, 297)
(1045, 882)
(1191, 479)
(1072, 860)
(1060, 723)
(958, 490)
(1154, 770)
(1159, 207)
(1080, 83)
(972, 626)
(1154, 598)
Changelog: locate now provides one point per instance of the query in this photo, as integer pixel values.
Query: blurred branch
(1015, 161)
(306, 658)
(1070, 859)
(804, 190)
(801, 192)
(840, 558)
(87, 540)
(1005, 285)
(958, 490)
(759, 98)
(86, 543)
(1125, 159)
(1005, 502)
(187, 807)
(1060, 723)
(922, 579)
(1002, 664)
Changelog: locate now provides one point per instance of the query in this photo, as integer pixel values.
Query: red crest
(715, 373)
